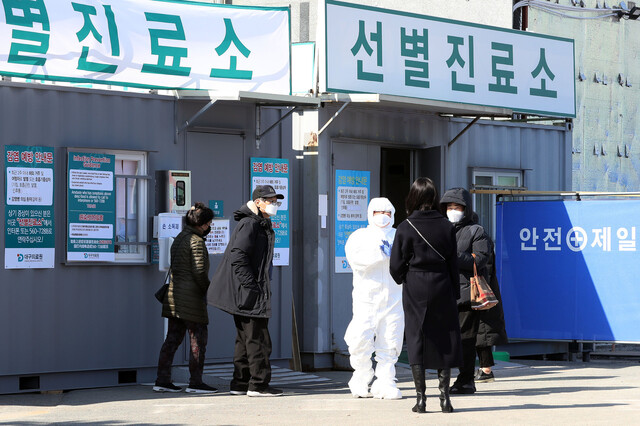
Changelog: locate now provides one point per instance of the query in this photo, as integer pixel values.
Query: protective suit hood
(380, 205)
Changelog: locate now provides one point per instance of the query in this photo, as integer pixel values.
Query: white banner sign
(372, 50)
(147, 43)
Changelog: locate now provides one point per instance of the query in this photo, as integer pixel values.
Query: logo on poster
(20, 257)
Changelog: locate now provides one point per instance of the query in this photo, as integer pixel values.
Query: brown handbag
(482, 297)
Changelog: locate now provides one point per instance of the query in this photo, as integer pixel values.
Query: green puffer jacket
(189, 278)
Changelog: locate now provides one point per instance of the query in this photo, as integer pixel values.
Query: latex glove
(385, 247)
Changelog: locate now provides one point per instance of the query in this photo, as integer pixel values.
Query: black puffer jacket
(189, 278)
(242, 283)
(471, 238)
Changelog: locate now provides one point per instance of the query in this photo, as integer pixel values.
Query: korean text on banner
(352, 189)
(29, 221)
(149, 44)
(91, 205)
(569, 270)
(373, 50)
(275, 172)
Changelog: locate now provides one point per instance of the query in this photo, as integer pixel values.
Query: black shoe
(266, 392)
(238, 390)
(466, 389)
(201, 388)
(482, 377)
(166, 387)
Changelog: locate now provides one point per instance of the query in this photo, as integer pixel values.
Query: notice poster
(275, 172)
(29, 228)
(352, 200)
(91, 206)
(218, 239)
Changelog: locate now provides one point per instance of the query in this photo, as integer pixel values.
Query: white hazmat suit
(378, 318)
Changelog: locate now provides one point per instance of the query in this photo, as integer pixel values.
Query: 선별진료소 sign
(146, 43)
(373, 50)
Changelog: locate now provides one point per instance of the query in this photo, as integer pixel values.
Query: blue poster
(275, 172)
(352, 199)
(569, 270)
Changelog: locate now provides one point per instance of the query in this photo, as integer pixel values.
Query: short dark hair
(423, 196)
(198, 214)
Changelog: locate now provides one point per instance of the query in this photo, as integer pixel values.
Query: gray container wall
(237, 120)
(79, 318)
(80, 326)
(542, 151)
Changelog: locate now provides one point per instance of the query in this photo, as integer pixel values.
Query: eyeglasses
(271, 201)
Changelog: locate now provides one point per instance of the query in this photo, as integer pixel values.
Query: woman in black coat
(480, 329)
(430, 276)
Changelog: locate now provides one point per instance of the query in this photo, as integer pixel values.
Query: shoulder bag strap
(475, 268)
(425, 240)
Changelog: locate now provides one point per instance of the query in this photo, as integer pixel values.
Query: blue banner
(352, 200)
(568, 269)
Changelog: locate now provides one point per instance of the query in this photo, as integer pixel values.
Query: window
(131, 207)
(485, 204)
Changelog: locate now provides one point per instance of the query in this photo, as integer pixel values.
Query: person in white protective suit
(378, 318)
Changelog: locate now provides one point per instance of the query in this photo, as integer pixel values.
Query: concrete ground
(526, 392)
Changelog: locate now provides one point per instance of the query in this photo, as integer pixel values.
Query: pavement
(525, 392)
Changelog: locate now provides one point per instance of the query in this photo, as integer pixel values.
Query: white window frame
(142, 212)
(494, 174)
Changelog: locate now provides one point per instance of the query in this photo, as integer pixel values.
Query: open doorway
(395, 178)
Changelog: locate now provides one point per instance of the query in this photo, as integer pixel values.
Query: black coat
(430, 289)
(242, 283)
(491, 327)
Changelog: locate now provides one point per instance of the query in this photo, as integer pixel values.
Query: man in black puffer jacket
(479, 329)
(241, 287)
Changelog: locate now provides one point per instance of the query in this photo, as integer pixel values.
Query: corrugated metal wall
(74, 318)
(82, 325)
(542, 152)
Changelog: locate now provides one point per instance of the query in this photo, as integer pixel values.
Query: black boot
(418, 379)
(444, 378)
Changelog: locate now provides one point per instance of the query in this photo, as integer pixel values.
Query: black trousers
(485, 356)
(198, 337)
(469, 323)
(251, 366)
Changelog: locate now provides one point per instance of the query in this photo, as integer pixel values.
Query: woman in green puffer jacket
(184, 304)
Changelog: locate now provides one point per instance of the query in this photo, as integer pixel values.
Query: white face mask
(381, 220)
(271, 209)
(455, 216)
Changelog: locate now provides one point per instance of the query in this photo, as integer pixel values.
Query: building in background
(332, 143)
(605, 153)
